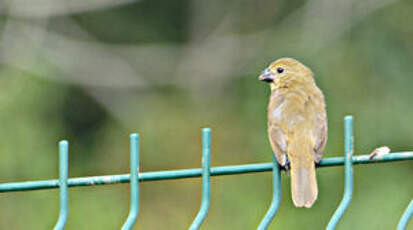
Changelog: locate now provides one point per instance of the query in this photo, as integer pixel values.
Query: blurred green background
(93, 72)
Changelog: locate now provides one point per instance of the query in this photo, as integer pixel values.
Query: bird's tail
(303, 176)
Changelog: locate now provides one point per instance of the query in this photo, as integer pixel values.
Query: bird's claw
(287, 166)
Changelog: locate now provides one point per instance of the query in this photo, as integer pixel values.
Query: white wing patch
(276, 113)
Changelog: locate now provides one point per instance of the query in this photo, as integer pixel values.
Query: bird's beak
(266, 76)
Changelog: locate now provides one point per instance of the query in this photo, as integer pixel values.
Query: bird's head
(285, 72)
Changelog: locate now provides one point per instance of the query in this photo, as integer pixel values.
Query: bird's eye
(280, 69)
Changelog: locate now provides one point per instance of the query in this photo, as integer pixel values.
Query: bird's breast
(290, 109)
(277, 112)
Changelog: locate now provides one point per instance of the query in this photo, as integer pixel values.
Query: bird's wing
(278, 143)
(321, 136)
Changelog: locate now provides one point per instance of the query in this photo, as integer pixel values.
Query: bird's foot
(287, 166)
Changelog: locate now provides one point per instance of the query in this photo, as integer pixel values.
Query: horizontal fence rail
(135, 176)
(194, 172)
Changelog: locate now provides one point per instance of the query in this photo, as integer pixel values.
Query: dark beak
(266, 76)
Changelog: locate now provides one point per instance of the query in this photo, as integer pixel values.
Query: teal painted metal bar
(406, 217)
(134, 182)
(190, 173)
(348, 171)
(63, 185)
(276, 196)
(206, 180)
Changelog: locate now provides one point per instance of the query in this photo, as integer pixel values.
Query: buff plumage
(297, 125)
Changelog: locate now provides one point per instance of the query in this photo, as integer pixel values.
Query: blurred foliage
(195, 64)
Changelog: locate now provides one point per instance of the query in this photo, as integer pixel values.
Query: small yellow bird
(297, 125)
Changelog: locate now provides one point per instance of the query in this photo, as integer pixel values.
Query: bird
(296, 125)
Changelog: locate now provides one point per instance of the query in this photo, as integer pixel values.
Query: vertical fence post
(134, 182)
(206, 171)
(405, 217)
(348, 170)
(63, 188)
(276, 196)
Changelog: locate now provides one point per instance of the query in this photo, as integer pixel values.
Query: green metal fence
(63, 183)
